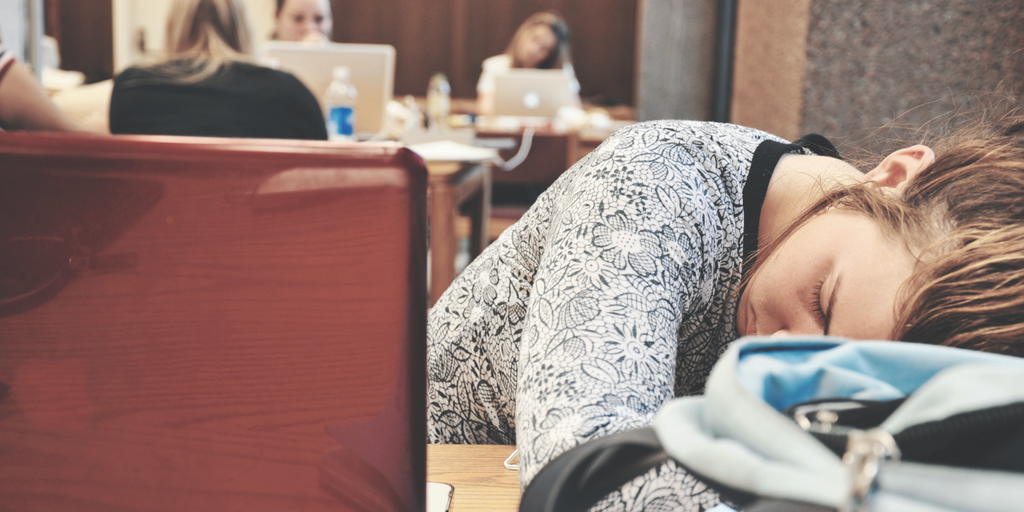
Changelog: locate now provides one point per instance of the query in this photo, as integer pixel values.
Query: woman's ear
(900, 166)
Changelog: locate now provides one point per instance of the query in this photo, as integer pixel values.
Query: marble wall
(866, 73)
(876, 62)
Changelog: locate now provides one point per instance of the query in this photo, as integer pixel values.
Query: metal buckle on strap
(865, 452)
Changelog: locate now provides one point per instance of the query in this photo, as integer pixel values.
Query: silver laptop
(531, 92)
(372, 67)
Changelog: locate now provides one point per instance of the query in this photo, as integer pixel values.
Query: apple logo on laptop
(531, 100)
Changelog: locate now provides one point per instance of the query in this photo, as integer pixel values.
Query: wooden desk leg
(481, 216)
(443, 244)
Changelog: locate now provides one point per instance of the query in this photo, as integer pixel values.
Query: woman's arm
(612, 294)
(25, 106)
(633, 297)
(599, 340)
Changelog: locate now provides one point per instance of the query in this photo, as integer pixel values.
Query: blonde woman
(209, 84)
(541, 42)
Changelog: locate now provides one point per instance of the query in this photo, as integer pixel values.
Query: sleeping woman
(626, 280)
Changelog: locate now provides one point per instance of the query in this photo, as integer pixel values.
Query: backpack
(825, 424)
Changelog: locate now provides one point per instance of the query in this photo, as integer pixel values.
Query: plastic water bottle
(439, 100)
(340, 106)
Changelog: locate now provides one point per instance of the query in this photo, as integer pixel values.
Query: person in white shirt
(541, 42)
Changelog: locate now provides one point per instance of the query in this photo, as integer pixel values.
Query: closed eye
(816, 300)
(817, 307)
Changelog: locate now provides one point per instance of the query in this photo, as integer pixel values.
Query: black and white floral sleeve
(614, 293)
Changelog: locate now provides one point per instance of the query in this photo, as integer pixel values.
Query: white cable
(508, 461)
(524, 151)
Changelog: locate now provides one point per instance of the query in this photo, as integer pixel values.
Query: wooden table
(476, 471)
(452, 184)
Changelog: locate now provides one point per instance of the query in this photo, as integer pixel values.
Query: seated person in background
(303, 20)
(541, 42)
(24, 104)
(209, 86)
(629, 276)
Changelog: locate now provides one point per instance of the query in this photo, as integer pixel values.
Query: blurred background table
(456, 182)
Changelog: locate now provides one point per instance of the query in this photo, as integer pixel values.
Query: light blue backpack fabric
(737, 435)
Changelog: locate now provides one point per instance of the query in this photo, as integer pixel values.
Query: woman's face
(304, 20)
(838, 274)
(535, 45)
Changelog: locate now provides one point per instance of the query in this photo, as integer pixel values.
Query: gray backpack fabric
(826, 424)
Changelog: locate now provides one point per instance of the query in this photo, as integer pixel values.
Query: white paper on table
(439, 496)
(449, 151)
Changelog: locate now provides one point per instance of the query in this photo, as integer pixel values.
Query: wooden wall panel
(455, 36)
(84, 29)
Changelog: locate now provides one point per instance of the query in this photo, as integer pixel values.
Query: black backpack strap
(778, 505)
(579, 478)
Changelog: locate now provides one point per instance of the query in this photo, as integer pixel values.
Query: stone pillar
(868, 73)
(676, 50)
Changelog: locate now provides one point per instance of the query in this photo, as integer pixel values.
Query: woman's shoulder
(163, 72)
(701, 134)
(131, 72)
(259, 71)
(269, 81)
(140, 75)
(235, 70)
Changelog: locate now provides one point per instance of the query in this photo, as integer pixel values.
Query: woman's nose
(799, 328)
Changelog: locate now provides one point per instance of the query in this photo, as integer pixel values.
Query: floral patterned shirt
(615, 292)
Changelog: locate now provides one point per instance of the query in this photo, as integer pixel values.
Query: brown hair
(560, 55)
(965, 215)
(209, 33)
(972, 294)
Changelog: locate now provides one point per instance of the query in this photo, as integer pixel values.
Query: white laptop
(372, 67)
(531, 92)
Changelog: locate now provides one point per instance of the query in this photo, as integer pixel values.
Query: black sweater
(239, 100)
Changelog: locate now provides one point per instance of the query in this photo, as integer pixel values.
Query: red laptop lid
(211, 324)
